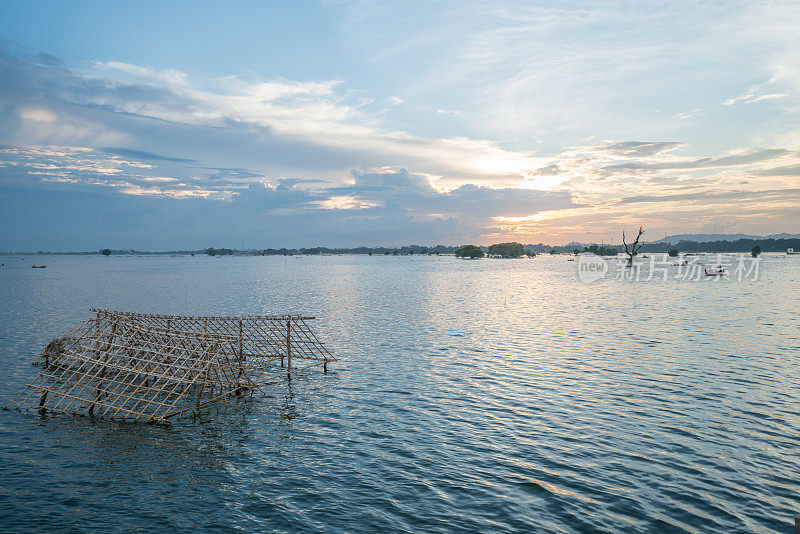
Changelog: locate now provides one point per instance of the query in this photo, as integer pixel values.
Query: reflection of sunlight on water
(471, 395)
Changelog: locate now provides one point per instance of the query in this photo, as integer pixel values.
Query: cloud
(413, 193)
(571, 69)
(388, 206)
(637, 149)
(549, 170)
(281, 215)
(744, 157)
(294, 162)
(751, 99)
(707, 196)
(311, 127)
(37, 114)
(788, 170)
(141, 154)
(127, 171)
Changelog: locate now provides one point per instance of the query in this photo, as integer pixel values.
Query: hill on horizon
(703, 238)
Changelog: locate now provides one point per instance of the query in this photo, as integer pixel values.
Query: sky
(184, 125)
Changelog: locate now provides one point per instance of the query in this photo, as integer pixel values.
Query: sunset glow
(541, 124)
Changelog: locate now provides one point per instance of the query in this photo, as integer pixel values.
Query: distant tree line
(406, 250)
(220, 251)
(740, 245)
(499, 250)
(600, 251)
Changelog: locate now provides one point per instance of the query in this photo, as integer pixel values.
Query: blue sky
(162, 125)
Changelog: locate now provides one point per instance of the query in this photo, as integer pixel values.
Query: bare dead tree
(634, 250)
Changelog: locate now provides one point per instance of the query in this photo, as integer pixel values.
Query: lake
(469, 396)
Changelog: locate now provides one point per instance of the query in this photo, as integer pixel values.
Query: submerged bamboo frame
(150, 368)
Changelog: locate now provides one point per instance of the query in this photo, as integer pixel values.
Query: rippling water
(470, 396)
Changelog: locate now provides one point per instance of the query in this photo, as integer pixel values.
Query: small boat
(715, 271)
(38, 266)
(790, 252)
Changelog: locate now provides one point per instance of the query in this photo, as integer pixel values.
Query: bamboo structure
(150, 368)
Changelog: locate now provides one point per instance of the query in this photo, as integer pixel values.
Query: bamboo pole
(289, 347)
(99, 390)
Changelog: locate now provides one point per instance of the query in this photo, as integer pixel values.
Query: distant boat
(38, 266)
(791, 251)
(714, 271)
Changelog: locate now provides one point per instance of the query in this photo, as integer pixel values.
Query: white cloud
(316, 113)
(751, 99)
(344, 202)
(128, 72)
(768, 97)
(41, 125)
(159, 179)
(37, 114)
(555, 74)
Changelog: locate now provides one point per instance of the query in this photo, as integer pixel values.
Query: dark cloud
(400, 180)
(142, 155)
(414, 193)
(391, 207)
(261, 198)
(90, 219)
(485, 202)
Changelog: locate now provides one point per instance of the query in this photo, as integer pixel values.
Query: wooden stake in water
(289, 347)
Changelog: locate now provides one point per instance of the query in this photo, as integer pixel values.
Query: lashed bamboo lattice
(143, 367)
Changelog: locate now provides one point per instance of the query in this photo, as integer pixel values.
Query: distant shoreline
(683, 247)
